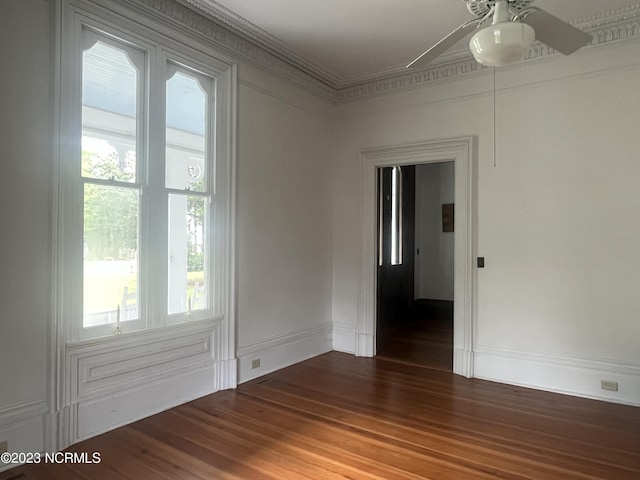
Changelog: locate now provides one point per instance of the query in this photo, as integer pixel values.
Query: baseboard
(344, 339)
(365, 345)
(97, 416)
(22, 426)
(227, 372)
(579, 377)
(281, 351)
(463, 362)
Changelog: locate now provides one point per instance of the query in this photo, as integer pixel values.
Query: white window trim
(181, 48)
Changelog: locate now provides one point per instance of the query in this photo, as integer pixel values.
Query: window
(112, 103)
(145, 179)
(390, 208)
(186, 167)
(396, 216)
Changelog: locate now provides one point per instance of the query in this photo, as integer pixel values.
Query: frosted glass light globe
(501, 43)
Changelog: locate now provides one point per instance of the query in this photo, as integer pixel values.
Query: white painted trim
(21, 425)
(55, 332)
(99, 369)
(114, 381)
(99, 415)
(22, 411)
(227, 373)
(462, 152)
(261, 38)
(463, 361)
(562, 374)
(344, 339)
(281, 351)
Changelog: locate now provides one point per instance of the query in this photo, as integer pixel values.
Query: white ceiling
(356, 39)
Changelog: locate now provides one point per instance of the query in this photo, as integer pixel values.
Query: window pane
(187, 254)
(396, 216)
(110, 254)
(186, 133)
(102, 159)
(109, 111)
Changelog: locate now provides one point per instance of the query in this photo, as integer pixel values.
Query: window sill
(155, 333)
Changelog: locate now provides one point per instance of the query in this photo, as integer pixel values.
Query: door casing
(462, 151)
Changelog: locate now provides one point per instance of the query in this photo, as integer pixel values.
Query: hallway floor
(427, 341)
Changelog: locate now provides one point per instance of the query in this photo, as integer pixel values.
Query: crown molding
(607, 27)
(264, 39)
(185, 17)
(243, 40)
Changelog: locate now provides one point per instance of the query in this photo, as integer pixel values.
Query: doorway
(461, 151)
(415, 274)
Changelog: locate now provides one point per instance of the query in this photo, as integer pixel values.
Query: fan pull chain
(495, 161)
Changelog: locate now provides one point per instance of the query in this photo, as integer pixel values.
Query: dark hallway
(415, 265)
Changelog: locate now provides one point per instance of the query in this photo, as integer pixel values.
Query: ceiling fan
(514, 26)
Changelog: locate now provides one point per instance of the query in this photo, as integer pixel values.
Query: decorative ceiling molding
(262, 38)
(241, 39)
(607, 27)
(227, 41)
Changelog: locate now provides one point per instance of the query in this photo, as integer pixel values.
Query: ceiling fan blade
(554, 32)
(446, 43)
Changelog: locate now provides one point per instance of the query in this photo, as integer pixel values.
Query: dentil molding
(244, 40)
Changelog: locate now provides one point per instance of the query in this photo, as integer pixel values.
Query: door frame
(462, 151)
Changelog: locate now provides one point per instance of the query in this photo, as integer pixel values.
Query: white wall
(284, 225)
(25, 172)
(434, 263)
(556, 215)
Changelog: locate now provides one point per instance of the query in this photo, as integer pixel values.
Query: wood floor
(426, 341)
(338, 416)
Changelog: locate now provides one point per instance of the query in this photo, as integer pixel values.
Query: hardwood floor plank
(340, 417)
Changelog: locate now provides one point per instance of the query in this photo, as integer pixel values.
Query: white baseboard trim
(579, 377)
(282, 351)
(96, 416)
(463, 362)
(22, 426)
(22, 411)
(227, 374)
(344, 339)
(365, 345)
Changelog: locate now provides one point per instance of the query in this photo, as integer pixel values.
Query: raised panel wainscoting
(129, 377)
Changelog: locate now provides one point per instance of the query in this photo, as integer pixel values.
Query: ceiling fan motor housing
(480, 8)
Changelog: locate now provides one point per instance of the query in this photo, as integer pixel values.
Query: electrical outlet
(255, 363)
(4, 446)
(609, 385)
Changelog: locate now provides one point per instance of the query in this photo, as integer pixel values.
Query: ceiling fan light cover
(501, 43)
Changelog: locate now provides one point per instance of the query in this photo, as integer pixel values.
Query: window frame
(191, 54)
